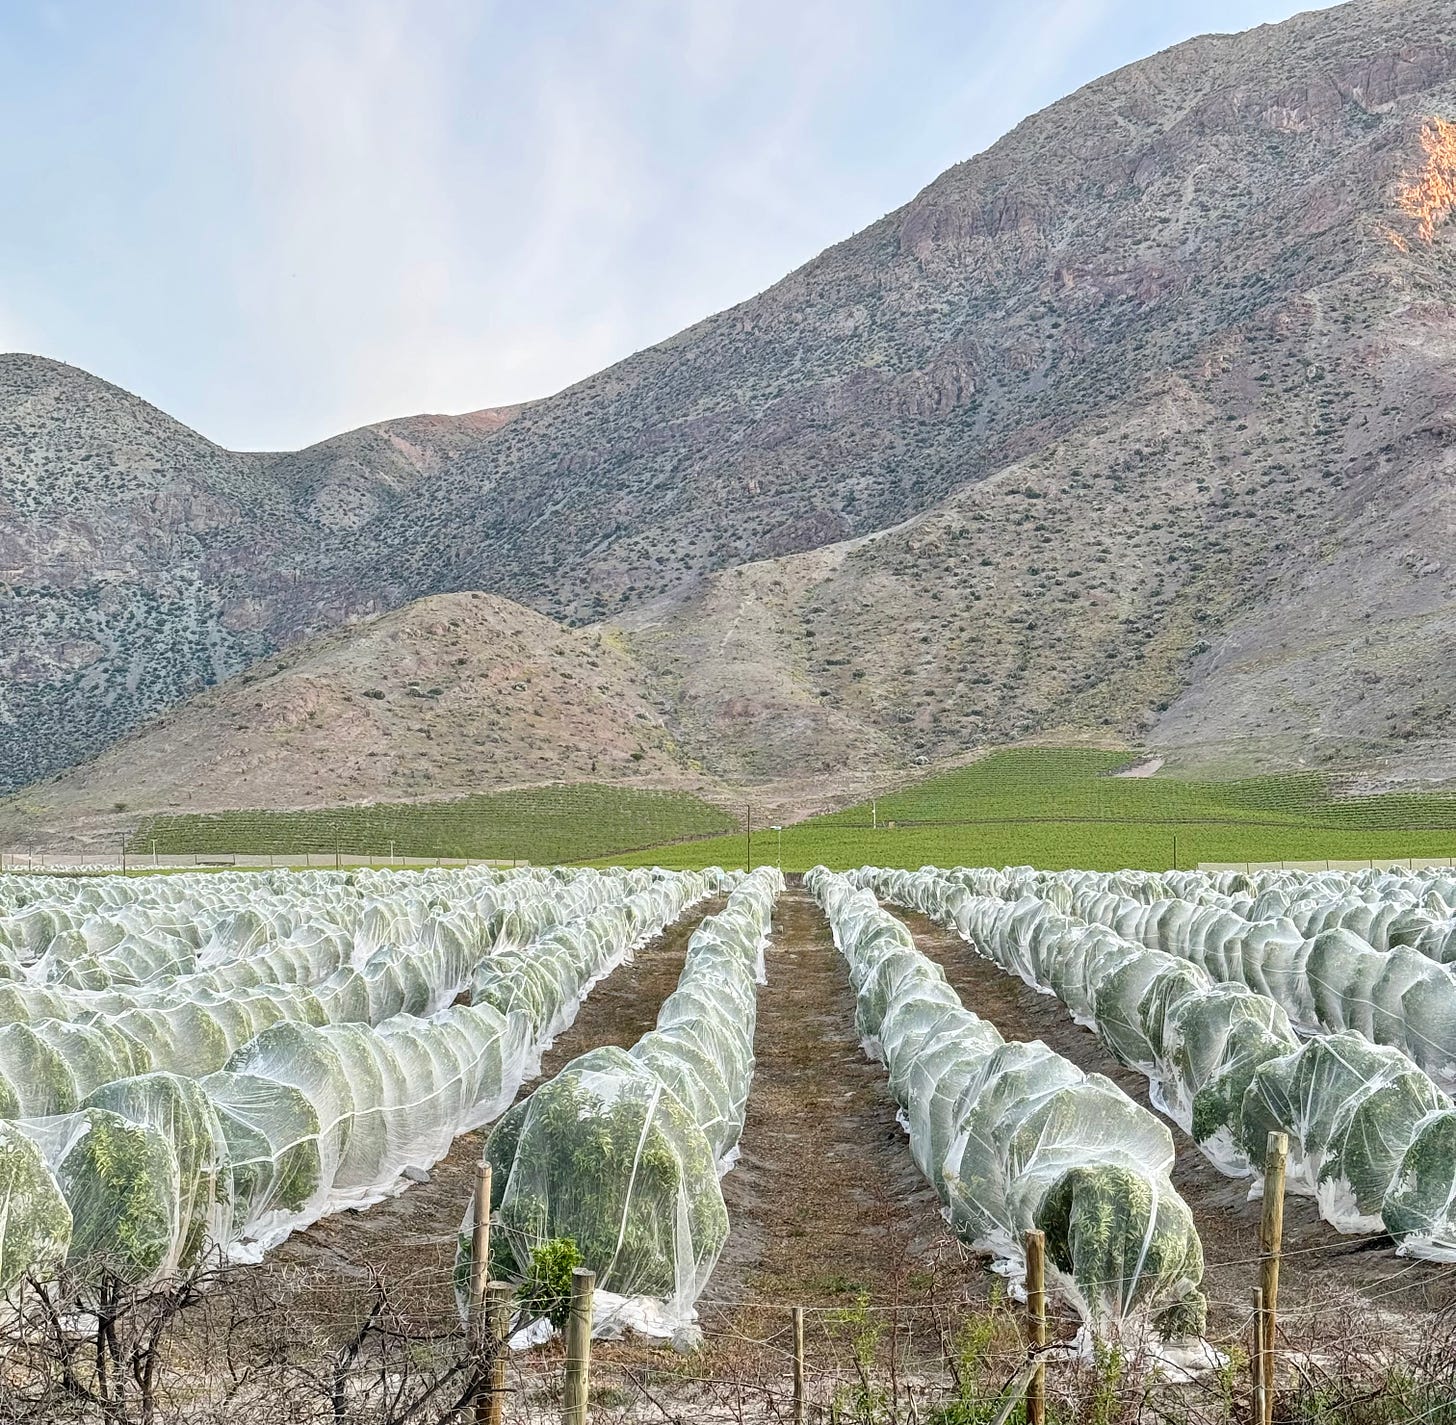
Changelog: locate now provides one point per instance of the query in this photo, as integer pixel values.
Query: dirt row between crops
(826, 1204)
(1323, 1274)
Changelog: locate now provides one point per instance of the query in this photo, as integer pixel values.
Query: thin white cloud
(13, 334)
(348, 158)
(417, 250)
(305, 215)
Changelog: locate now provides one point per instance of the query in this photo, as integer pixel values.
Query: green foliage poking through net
(547, 1288)
(1420, 1204)
(612, 1160)
(121, 1184)
(1114, 1228)
(37, 1221)
(180, 1112)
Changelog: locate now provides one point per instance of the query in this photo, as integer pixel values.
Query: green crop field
(1043, 807)
(538, 824)
(1058, 809)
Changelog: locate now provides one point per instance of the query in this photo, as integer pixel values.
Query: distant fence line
(1110, 819)
(40, 863)
(21, 862)
(1376, 863)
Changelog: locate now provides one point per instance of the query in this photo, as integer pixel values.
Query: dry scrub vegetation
(274, 1349)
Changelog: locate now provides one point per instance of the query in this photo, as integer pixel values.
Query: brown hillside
(454, 694)
(1136, 424)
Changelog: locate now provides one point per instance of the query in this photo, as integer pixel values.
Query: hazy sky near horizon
(278, 219)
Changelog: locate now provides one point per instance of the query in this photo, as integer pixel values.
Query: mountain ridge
(1202, 308)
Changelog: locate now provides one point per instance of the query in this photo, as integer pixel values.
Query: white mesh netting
(262, 1121)
(1371, 1135)
(58, 1042)
(1014, 1137)
(623, 1150)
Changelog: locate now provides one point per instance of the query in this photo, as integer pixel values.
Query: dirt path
(825, 1202)
(410, 1239)
(1322, 1271)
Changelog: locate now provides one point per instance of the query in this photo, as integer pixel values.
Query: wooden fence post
(577, 1380)
(490, 1404)
(1256, 1359)
(1036, 1316)
(1271, 1244)
(480, 1255)
(797, 1315)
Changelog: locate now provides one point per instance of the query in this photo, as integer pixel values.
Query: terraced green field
(1057, 809)
(542, 825)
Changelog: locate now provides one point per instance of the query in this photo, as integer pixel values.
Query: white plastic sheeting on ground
(155, 1172)
(1014, 1137)
(622, 1151)
(1369, 1131)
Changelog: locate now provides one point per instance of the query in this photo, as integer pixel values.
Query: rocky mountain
(454, 694)
(140, 563)
(1136, 425)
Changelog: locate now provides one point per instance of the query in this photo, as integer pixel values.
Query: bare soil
(825, 1203)
(1322, 1273)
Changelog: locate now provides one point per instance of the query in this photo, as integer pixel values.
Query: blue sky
(277, 219)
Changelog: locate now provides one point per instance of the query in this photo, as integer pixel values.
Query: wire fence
(309, 1342)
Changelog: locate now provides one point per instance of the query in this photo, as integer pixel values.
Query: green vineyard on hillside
(1064, 808)
(541, 825)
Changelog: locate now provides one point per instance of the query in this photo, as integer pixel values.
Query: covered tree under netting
(1363, 950)
(60, 1042)
(146, 1172)
(1367, 1127)
(1015, 1137)
(622, 1152)
(229, 932)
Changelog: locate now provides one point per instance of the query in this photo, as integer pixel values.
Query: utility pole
(779, 848)
(123, 855)
(750, 837)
